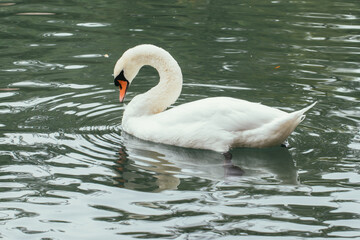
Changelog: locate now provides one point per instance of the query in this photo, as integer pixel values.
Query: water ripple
(93, 24)
(58, 34)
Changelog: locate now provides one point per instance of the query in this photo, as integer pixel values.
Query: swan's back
(225, 113)
(212, 123)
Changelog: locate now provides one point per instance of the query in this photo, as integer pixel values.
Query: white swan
(218, 123)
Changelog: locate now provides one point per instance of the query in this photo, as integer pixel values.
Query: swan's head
(125, 70)
(129, 64)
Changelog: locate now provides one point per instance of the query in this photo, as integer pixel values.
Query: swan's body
(218, 123)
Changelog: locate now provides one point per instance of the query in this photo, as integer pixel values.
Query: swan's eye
(119, 78)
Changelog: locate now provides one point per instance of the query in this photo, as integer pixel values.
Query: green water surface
(68, 172)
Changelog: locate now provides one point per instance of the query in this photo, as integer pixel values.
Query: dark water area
(67, 171)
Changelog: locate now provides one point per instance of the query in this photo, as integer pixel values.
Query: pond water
(68, 172)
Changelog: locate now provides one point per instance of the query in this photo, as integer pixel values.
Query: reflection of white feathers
(217, 124)
(171, 163)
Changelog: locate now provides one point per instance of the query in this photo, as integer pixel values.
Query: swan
(216, 123)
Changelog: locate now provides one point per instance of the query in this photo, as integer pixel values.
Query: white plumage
(217, 123)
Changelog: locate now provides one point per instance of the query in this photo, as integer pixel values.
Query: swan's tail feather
(301, 112)
(273, 133)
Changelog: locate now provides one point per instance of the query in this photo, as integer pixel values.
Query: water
(68, 172)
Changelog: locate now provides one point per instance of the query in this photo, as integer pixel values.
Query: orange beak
(123, 86)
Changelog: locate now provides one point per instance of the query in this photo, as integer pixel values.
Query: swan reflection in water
(147, 165)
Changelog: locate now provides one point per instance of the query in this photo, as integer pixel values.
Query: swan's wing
(225, 113)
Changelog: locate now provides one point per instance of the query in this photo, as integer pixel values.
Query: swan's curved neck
(165, 93)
